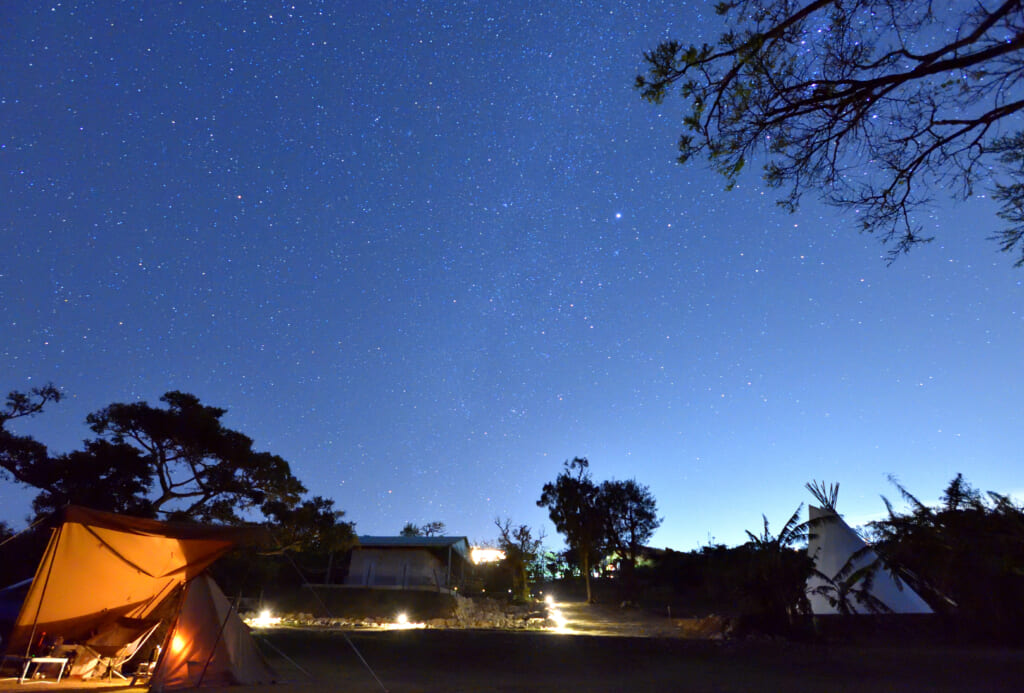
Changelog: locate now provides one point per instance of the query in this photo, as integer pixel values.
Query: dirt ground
(605, 650)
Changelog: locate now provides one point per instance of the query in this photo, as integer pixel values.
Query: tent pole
(50, 550)
(286, 657)
(27, 529)
(220, 633)
(165, 644)
(351, 644)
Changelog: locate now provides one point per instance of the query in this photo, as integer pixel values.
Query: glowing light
(559, 619)
(484, 554)
(264, 620)
(402, 622)
(177, 643)
(549, 600)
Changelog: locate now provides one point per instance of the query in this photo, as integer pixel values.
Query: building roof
(459, 544)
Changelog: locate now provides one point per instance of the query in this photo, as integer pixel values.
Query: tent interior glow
(106, 582)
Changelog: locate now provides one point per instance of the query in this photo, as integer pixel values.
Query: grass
(437, 660)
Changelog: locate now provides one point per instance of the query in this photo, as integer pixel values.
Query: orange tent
(101, 571)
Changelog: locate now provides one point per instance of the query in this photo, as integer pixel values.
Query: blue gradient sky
(426, 252)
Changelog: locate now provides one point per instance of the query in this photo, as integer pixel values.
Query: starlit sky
(427, 251)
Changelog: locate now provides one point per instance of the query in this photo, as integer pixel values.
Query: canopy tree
(172, 462)
(573, 504)
(199, 468)
(630, 515)
(114, 477)
(875, 104)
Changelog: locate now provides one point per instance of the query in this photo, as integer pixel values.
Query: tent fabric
(831, 544)
(99, 567)
(209, 645)
(108, 580)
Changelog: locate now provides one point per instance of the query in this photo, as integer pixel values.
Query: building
(409, 563)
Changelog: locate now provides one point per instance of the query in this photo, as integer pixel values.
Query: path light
(264, 620)
(560, 620)
(402, 622)
(555, 615)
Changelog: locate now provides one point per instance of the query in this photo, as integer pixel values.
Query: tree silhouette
(20, 456)
(874, 104)
(572, 500)
(431, 529)
(199, 468)
(630, 515)
(964, 556)
(774, 587)
(521, 549)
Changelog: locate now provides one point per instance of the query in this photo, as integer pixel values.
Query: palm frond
(919, 507)
(827, 496)
(794, 530)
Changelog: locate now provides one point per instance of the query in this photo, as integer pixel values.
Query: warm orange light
(484, 554)
(177, 644)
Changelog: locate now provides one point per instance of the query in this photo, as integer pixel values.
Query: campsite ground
(606, 649)
(422, 661)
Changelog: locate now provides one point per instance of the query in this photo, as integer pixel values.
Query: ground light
(555, 614)
(264, 620)
(402, 622)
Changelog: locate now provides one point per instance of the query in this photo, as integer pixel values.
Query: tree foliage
(430, 529)
(312, 526)
(630, 514)
(21, 455)
(851, 590)
(573, 504)
(521, 548)
(774, 581)
(964, 556)
(875, 104)
(174, 462)
(105, 476)
(199, 468)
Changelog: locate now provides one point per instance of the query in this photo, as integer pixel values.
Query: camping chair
(120, 642)
(145, 669)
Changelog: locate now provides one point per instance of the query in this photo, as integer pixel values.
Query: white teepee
(831, 545)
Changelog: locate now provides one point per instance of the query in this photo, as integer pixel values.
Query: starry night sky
(426, 252)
